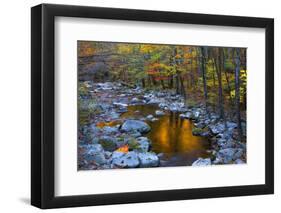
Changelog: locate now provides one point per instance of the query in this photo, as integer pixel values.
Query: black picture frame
(43, 102)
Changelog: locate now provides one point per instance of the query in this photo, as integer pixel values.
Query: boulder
(135, 125)
(159, 113)
(150, 117)
(144, 144)
(187, 115)
(128, 160)
(148, 159)
(217, 128)
(95, 152)
(202, 162)
(229, 155)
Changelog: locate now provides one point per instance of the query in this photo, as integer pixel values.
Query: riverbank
(111, 137)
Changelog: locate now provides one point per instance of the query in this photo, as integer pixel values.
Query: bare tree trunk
(237, 92)
(219, 71)
(203, 70)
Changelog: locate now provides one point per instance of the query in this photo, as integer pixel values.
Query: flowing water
(171, 136)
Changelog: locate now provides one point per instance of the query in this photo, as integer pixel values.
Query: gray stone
(229, 155)
(202, 162)
(217, 128)
(128, 160)
(148, 159)
(159, 113)
(95, 153)
(135, 125)
(239, 161)
(149, 117)
(143, 144)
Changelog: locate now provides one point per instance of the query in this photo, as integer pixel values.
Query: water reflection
(172, 136)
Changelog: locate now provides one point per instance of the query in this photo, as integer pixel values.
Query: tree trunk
(143, 82)
(237, 93)
(203, 70)
(219, 71)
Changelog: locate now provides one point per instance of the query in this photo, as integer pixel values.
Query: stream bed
(171, 135)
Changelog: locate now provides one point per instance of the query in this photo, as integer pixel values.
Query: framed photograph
(139, 106)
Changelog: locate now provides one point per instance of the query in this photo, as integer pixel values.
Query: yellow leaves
(123, 149)
(85, 49)
(125, 48)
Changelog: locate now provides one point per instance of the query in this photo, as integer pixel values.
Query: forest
(185, 104)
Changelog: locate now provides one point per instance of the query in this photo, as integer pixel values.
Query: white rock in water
(135, 125)
(149, 117)
(159, 112)
(120, 104)
(202, 162)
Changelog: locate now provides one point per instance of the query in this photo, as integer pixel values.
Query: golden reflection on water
(170, 134)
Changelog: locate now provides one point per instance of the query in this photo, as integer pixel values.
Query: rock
(95, 152)
(135, 125)
(239, 161)
(107, 154)
(109, 130)
(108, 143)
(105, 86)
(187, 115)
(149, 117)
(196, 114)
(122, 109)
(200, 125)
(202, 162)
(120, 104)
(229, 155)
(216, 128)
(231, 125)
(154, 119)
(200, 132)
(224, 143)
(117, 154)
(159, 113)
(135, 100)
(128, 160)
(113, 115)
(148, 159)
(144, 144)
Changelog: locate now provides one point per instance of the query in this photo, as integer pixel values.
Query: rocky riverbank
(108, 140)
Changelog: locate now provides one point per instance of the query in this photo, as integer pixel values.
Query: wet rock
(200, 132)
(217, 128)
(187, 115)
(128, 160)
(144, 144)
(229, 155)
(224, 143)
(120, 104)
(135, 100)
(110, 130)
(95, 152)
(149, 117)
(148, 159)
(159, 113)
(231, 125)
(202, 162)
(135, 125)
(196, 114)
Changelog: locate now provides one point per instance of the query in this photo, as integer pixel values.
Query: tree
(237, 92)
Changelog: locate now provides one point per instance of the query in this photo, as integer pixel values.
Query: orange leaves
(123, 149)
